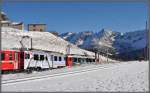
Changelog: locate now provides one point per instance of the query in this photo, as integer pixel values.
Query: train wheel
(28, 71)
(38, 69)
(2, 72)
(6, 72)
(51, 68)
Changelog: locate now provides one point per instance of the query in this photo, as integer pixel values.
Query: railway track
(98, 67)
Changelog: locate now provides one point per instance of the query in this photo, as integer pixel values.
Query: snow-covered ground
(13, 76)
(123, 76)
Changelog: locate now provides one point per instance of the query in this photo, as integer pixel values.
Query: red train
(15, 60)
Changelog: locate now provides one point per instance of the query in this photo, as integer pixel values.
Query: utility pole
(147, 43)
(31, 42)
(95, 56)
(68, 49)
(107, 55)
(98, 58)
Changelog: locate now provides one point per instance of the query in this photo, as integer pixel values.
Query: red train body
(11, 60)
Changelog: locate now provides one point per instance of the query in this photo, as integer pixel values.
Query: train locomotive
(17, 60)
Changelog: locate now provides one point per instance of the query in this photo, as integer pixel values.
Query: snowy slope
(41, 40)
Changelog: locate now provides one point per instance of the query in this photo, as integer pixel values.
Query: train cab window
(55, 58)
(59, 58)
(2, 56)
(10, 56)
(27, 56)
(41, 57)
(36, 57)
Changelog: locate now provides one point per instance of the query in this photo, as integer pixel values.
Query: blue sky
(77, 16)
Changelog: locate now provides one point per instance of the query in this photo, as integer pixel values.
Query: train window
(55, 58)
(79, 60)
(46, 58)
(2, 56)
(10, 56)
(64, 58)
(41, 57)
(74, 59)
(87, 60)
(59, 58)
(36, 57)
(27, 56)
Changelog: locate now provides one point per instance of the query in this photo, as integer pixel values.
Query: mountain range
(105, 39)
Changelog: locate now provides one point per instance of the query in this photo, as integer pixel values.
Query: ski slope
(123, 77)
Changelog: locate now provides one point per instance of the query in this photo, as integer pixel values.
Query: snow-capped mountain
(131, 41)
(107, 39)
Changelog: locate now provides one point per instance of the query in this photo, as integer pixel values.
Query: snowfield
(129, 76)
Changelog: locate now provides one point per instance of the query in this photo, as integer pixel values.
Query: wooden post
(98, 58)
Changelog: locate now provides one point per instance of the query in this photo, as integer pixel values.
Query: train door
(61, 61)
(55, 59)
(16, 60)
(21, 63)
(27, 59)
(36, 62)
(43, 60)
(47, 61)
